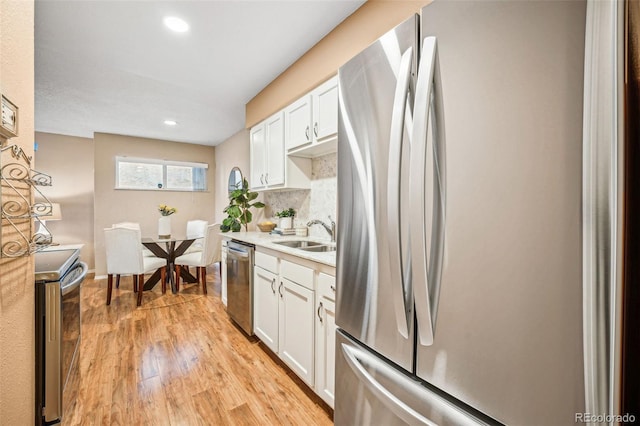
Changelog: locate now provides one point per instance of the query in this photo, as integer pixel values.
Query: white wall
(112, 206)
(72, 188)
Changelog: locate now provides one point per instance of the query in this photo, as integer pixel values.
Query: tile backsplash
(319, 202)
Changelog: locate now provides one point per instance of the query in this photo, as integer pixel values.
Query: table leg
(152, 280)
(186, 276)
(170, 253)
(170, 266)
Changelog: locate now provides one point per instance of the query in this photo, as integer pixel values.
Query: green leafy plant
(286, 213)
(238, 213)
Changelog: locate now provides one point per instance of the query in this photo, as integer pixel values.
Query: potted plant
(286, 218)
(238, 214)
(164, 223)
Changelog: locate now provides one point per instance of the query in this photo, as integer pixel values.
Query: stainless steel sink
(319, 248)
(298, 244)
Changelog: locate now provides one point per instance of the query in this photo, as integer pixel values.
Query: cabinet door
(297, 329)
(325, 350)
(258, 161)
(297, 118)
(325, 110)
(274, 168)
(325, 338)
(265, 307)
(223, 275)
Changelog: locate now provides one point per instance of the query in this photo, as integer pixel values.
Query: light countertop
(266, 240)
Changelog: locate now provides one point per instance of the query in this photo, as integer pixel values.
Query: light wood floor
(178, 360)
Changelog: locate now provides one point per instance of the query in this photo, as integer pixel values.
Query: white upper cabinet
(274, 167)
(270, 166)
(312, 122)
(298, 121)
(258, 159)
(325, 111)
(282, 145)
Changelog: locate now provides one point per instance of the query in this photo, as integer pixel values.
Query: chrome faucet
(330, 229)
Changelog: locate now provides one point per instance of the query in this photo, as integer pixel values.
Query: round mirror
(235, 179)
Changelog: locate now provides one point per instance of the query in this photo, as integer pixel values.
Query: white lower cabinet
(265, 315)
(325, 337)
(294, 316)
(296, 329)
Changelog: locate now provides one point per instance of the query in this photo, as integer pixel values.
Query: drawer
(327, 286)
(266, 261)
(297, 273)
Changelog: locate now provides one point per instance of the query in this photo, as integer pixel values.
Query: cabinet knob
(319, 309)
(266, 178)
(306, 133)
(280, 290)
(315, 128)
(333, 288)
(262, 179)
(273, 286)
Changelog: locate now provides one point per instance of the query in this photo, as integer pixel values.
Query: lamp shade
(56, 213)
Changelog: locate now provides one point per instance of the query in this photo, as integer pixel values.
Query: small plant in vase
(164, 223)
(286, 218)
(238, 214)
(166, 210)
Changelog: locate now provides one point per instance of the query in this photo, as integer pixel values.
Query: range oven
(58, 276)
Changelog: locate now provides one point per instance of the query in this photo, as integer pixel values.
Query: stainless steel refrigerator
(460, 219)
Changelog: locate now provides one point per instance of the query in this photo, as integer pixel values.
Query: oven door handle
(68, 288)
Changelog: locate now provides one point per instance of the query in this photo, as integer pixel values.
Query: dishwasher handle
(238, 253)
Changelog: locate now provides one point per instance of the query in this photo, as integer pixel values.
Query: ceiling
(113, 66)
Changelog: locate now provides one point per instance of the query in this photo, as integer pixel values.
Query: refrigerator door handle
(393, 192)
(427, 245)
(354, 358)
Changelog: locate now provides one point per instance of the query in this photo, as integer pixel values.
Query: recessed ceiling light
(170, 122)
(176, 24)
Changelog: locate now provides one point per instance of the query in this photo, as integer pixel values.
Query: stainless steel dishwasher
(240, 284)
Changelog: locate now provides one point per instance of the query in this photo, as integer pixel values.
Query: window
(149, 174)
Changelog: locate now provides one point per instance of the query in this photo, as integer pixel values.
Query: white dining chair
(124, 257)
(133, 225)
(196, 229)
(210, 253)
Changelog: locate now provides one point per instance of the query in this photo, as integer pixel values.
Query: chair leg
(163, 278)
(204, 279)
(197, 275)
(118, 281)
(140, 288)
(135, 283)
(109, 287)
(177, 278)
